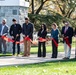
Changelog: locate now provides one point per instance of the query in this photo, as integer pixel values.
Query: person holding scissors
(15, 31)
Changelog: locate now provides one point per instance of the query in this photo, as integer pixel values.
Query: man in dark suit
(67, 34)
(15, 31)
(27, 31)
(3, 32)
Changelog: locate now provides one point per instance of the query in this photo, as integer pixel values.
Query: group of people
(67, 33)
(15, 31)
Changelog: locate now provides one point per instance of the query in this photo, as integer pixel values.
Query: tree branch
(42, 3)
(69, 14)
(62, 11)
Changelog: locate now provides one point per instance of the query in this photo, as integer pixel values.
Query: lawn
(34, 50)
(64, 67)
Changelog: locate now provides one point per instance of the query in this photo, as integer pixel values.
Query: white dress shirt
(66, 28)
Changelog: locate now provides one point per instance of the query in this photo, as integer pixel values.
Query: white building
(10, 9)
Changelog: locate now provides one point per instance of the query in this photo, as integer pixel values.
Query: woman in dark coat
(42, 34)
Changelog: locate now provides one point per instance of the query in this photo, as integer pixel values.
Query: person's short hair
(13, 20)
(4, 20)
(26, 18)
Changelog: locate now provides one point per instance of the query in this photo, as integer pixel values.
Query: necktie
(65, 29)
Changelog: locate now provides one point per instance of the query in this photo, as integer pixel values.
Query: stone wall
(13, 12)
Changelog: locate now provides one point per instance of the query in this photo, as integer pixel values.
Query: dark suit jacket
(15, 29)
(43, 34)
(27, 30)
(68, 33)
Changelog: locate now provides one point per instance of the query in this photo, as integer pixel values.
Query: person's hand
(12, 37)
(39, 38)
(27, 35)
(50, 38)
(23, 36)
(62, 36)
(66, 37)
(4, 34)
(17, 35)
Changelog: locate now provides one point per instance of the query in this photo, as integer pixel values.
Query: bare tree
(67, 7)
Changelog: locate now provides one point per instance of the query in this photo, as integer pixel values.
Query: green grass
(67, 67)
(34, 50)
(7, 54)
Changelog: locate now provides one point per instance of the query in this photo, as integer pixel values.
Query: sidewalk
(14, 60)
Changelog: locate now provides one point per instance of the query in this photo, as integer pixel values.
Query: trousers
(3, 42)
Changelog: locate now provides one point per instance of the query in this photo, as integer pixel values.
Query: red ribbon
(42, 40)
(56, 44)
(7, 39)
(18, 42)
(67, 42)
(28, 39)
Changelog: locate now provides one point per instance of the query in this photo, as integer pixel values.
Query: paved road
(14, 60)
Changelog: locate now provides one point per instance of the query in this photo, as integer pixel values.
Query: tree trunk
(32, 6)
(39, 9)
(42, 3)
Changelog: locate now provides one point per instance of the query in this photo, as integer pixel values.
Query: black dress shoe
(55, 57)
(39, 56)
(44, 56)
(65, 58)
(52, 57)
